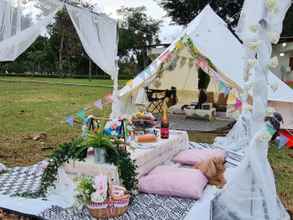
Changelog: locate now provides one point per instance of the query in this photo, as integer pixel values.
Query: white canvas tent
(210, 35)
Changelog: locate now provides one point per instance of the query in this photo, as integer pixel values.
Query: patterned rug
(21, 179)
(144, 206)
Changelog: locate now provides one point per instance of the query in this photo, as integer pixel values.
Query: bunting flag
(70, 120)
(238, 104)
(148, 71)
(226, 91)
(108, 98)
(165, 56)
(99, 104)
(231, 99)
(153, 67)
(81, 114)
(281, 141)
(179, 45)
(203, 64)
(223, 88)
(216, 76)
(129, 83)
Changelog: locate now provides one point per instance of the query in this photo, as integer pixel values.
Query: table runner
(150, 155)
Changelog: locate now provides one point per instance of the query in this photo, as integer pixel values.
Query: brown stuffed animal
(213, 169)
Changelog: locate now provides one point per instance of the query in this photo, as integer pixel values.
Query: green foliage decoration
(77, 150)
(116, 155)
(84, 190)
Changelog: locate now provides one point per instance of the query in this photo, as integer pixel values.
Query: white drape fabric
(98, 34)
(239, 136)
(21, 22)
(251, 194)
(99, 37)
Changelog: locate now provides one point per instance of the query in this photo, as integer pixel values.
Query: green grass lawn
(28, 108)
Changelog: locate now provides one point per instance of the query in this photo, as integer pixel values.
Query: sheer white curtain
(99, 37)
(21, 22)
(239, 137)
(98, 34)
(251, 192)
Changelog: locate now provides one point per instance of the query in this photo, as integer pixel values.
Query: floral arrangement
(97, 190)
(103, 199)
(85, 189)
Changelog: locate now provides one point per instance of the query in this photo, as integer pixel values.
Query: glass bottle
(164, 123)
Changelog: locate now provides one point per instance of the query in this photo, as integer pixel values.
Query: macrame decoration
(251, 192)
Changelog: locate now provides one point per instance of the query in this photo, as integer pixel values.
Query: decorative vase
(100, 155)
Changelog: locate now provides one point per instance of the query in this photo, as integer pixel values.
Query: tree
(64, 39)
(183, 11)
(137, 32)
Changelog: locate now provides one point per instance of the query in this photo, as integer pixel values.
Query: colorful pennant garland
(238, 104)
(81, 114)
(108, 99)
(99, 104)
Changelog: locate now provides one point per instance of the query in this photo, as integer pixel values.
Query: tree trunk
(90, 69)
(61, 55)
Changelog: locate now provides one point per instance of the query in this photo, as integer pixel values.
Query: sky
(168, 32)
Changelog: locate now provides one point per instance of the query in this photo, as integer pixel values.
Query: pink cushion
(174, 181)
(194, 156)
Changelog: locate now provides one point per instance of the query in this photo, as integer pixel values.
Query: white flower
(274, 63)
(274, 37)
(272, 5)
(274, 86)
(270, 111)
(251, 62)
(253, 45)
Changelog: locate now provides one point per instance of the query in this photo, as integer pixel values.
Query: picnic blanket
(144, 206)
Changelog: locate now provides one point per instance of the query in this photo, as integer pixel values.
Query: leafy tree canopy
(137, 31)
(183, 11)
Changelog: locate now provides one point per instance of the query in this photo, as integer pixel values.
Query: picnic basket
(110, 208)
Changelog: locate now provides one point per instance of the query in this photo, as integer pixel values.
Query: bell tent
(206, 43)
